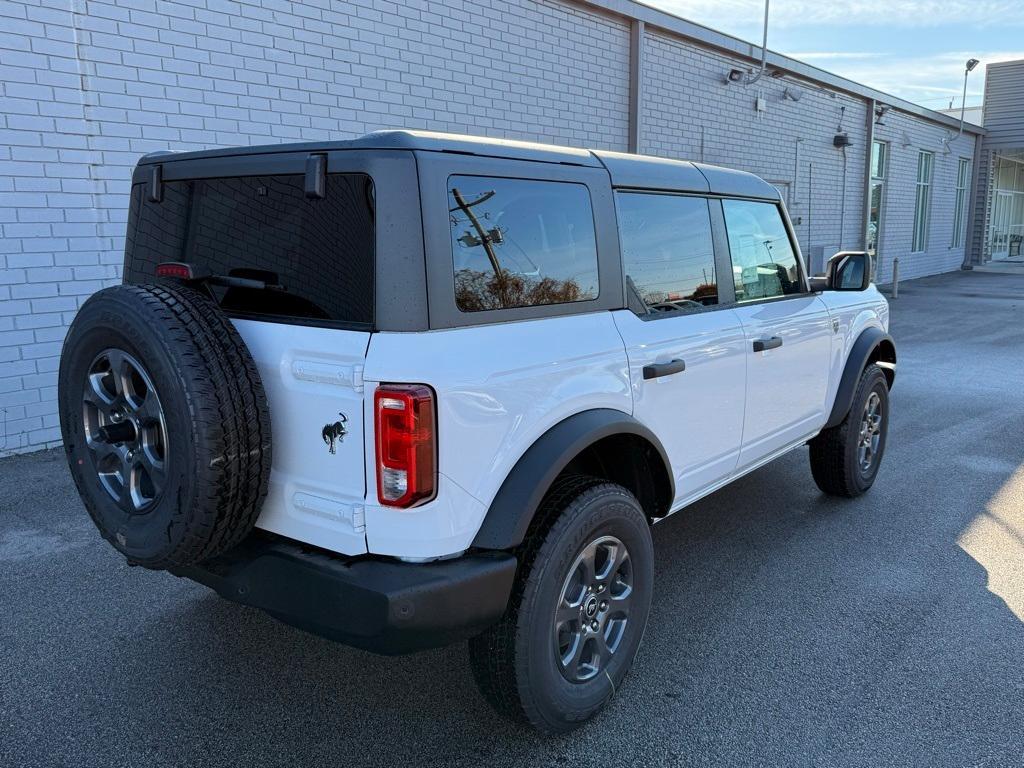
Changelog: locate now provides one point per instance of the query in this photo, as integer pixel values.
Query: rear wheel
(578, 611)
(845, 458)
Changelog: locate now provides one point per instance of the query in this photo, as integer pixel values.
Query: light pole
(971, 64)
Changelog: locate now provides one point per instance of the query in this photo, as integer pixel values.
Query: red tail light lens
(176, 269)
(406, 444)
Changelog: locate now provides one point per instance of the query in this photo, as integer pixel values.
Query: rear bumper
(378, 605)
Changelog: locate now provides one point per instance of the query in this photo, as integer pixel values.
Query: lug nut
(604, 606)
(593, 625)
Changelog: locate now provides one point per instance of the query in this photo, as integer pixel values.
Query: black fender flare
(519, 497)
(863, 349)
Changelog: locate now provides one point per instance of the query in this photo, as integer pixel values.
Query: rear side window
(667, 251)
(521, 243)
(315, 255)
(764, 263)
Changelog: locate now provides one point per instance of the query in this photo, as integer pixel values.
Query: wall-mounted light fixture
(735, 76)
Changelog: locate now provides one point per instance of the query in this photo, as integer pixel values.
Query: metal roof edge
(680, 27)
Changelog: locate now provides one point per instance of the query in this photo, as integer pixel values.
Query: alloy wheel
(125, 429)
(870, 432)
(593, 609)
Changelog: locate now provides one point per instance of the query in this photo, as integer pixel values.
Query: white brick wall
(906, 138)
(686, 103)
(86, 86)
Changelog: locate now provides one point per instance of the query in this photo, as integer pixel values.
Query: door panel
(697, 413)
(313, 380)
(787, 382)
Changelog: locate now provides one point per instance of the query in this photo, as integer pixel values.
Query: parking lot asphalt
(788, 628)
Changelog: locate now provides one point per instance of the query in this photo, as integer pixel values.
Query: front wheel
(845, 458)
(578, 611)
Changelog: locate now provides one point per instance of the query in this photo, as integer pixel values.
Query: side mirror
(846, 271)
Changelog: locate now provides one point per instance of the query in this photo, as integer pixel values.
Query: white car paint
(311, 376)
(786, 386)
(500, 387)
(698, 413)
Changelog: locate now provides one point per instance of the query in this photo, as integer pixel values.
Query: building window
(879, 158)
(963, 177)
(922, 203)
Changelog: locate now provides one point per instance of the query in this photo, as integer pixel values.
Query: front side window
(764, 263)
(521, 243)
(667, 251)
(922, 202)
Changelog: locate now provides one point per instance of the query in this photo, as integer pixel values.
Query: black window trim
(434, 169)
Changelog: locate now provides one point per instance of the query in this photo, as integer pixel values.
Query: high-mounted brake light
(176, 269)
(406, 444)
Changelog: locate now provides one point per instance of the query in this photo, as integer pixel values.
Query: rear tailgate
(304, 306)
(314, 383)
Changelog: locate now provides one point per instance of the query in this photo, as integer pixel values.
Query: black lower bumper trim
(379, 605)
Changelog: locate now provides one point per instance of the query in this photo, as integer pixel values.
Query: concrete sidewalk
(788, 628)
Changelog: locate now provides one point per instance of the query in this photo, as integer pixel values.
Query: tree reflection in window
(521, 243)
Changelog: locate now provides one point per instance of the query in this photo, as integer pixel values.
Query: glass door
(1002, 207)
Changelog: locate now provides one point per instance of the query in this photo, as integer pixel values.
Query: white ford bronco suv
(416, 388)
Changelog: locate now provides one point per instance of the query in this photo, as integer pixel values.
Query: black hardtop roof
(626, 170)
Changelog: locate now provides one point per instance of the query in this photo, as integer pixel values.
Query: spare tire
(165, 423)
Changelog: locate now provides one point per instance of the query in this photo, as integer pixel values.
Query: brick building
(90, 85)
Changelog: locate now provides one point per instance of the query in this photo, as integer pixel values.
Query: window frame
(435, 168)
(793, 243)
(724, 299)
(922, 203)
(963, 181)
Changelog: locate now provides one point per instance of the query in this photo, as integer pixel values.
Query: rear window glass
(315, 255)
(521, 243)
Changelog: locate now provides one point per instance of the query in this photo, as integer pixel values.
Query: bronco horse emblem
(335, 432)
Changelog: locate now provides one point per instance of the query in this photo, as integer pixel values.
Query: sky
(914, 49)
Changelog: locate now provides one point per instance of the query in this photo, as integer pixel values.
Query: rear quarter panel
(499, 387)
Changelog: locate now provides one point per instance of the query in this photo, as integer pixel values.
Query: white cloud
(930, 80)
(798, 13)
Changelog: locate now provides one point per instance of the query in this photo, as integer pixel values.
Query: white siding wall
(86, 86)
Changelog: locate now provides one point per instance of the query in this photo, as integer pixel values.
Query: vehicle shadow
(786, 626)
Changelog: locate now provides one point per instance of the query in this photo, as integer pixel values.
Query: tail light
(406, 444)
(178, 269)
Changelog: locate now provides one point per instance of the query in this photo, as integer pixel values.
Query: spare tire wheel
(165, 423)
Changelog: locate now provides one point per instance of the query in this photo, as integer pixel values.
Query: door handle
(764, 344)
(655, 370)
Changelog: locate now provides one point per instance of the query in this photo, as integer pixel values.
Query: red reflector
(174, 269)
(404, 423)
